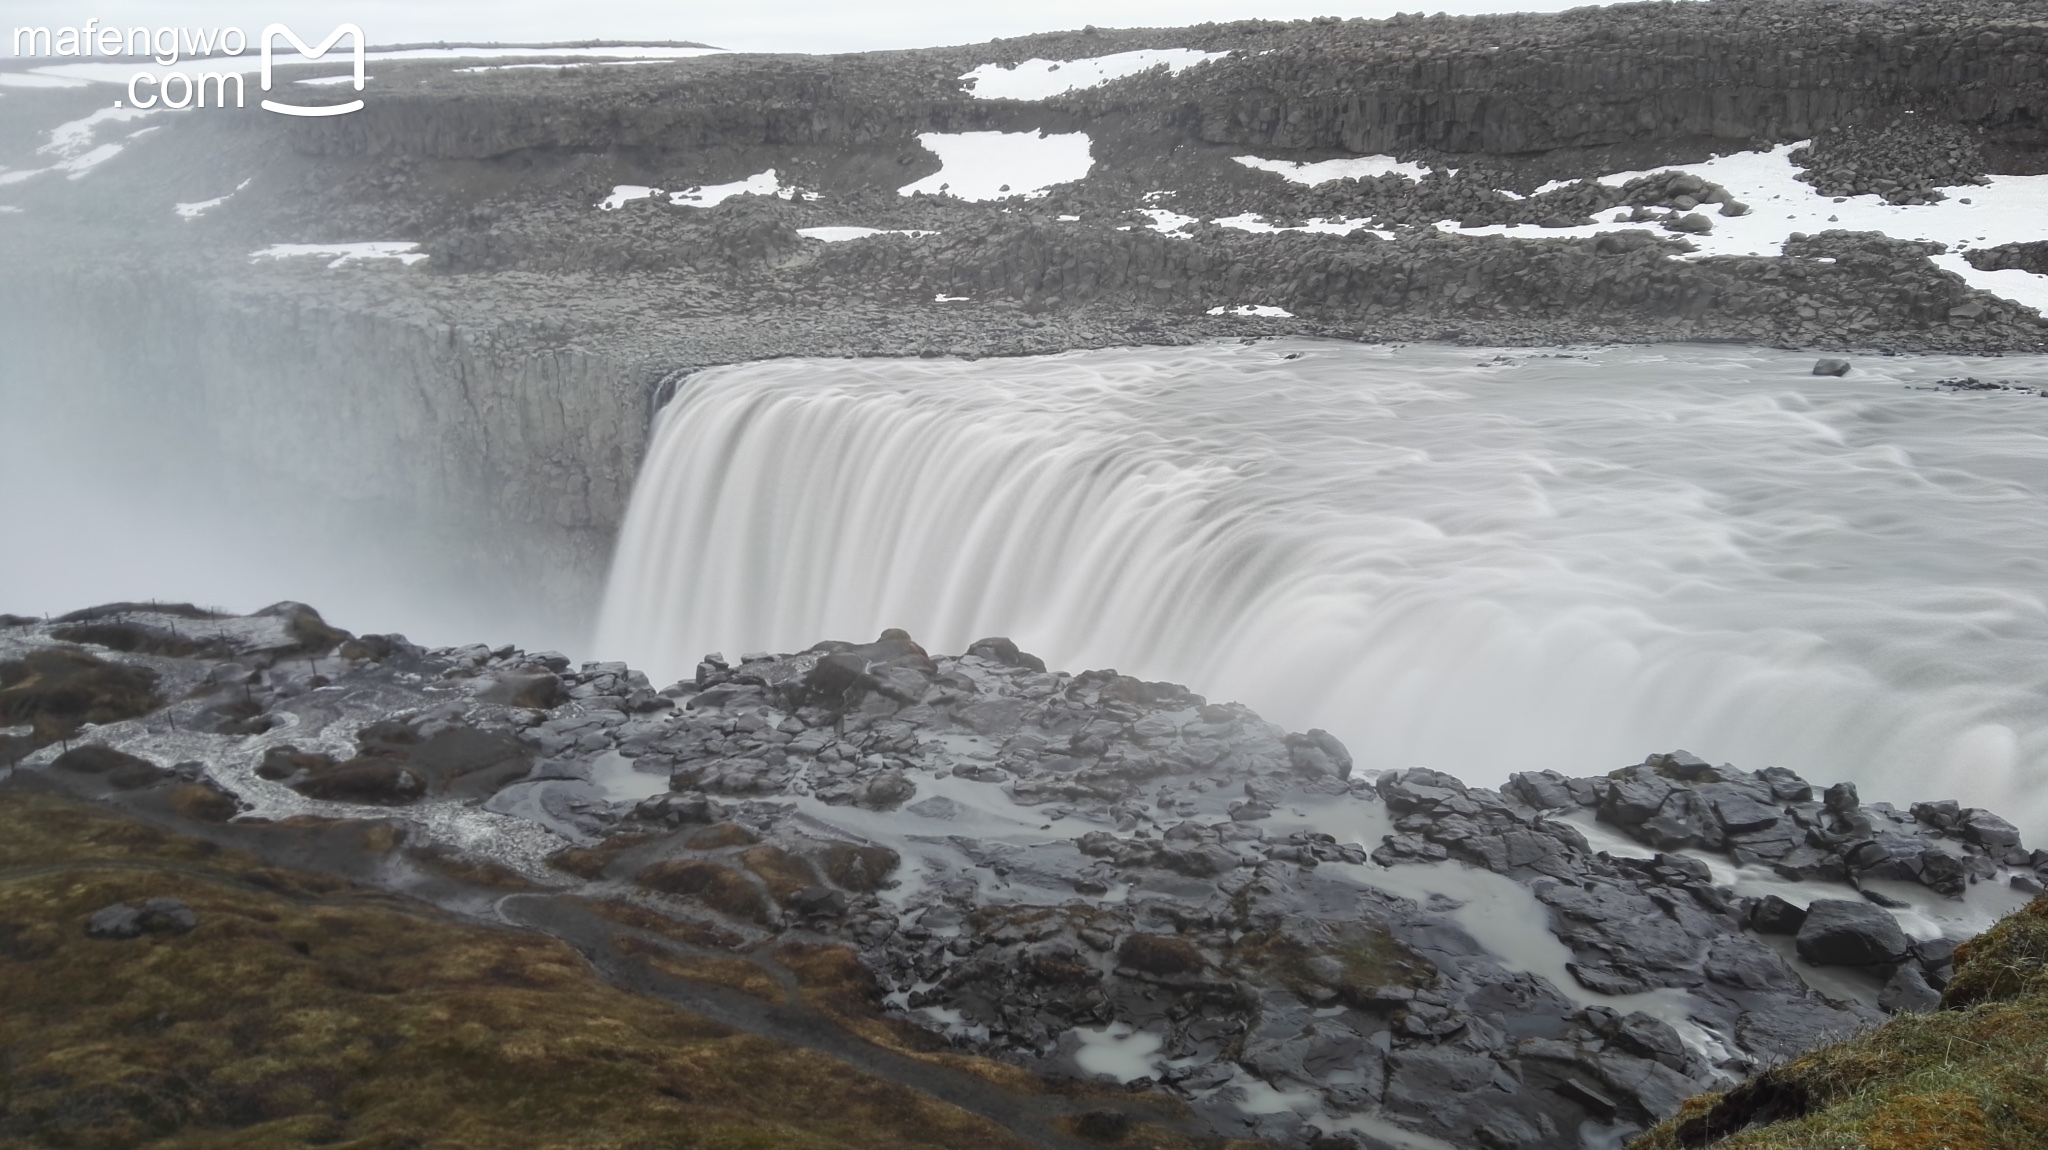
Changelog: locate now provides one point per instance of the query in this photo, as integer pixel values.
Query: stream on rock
(1481, 562)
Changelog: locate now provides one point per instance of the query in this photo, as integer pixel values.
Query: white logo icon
(275, 30)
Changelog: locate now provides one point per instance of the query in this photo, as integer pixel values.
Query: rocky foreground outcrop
(1087, 875)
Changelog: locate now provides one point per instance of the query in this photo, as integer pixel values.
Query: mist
(135, 496)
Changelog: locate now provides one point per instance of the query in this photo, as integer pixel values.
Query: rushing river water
(1450, 558)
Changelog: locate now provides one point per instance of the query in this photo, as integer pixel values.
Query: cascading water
(1452, 559)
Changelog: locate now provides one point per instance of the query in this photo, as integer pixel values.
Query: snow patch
(1039, 79)
(399, 250)
(623, 194)
(704, 195)
(1261, 310)
(2009, 209)
(998, 165)
(1169, 223)
(840, 234)
(1345, 168)
(711, 195)
(195, 210)
(74, 138)
(1253, 222)
(76, 168)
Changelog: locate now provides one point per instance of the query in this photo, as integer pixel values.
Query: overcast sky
(750, 25)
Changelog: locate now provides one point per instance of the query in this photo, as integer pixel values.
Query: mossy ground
(1973, 1076)
(305, 1012)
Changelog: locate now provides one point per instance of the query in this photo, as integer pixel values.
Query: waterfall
(1478, 562)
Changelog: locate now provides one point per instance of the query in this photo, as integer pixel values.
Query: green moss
(1973, 1076)
(305, 1012)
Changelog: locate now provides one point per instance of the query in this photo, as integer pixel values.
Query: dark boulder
(887, 790)
(1546, 790)
(1942, 815)
(1417, 789)
(1681, 765)
(1786, 786)
(1652, 1038)
(1318, 754)
(1907, 991)
(892, 666)
(133, 920)
(1830, 366)
(1988, 830)
(1838, 932)
(1685, 819)
(1000, 650)
(1634, 798)
(1740, 814)
(1776, 916)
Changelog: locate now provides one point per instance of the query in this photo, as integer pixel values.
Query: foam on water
(1477, 563)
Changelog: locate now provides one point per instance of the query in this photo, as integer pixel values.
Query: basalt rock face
(1085, 874)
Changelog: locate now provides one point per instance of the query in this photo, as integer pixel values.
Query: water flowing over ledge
(1476, 563)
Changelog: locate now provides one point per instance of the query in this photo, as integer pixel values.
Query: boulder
(1829, 366)
(1653, 1038)
(1776, 916)
(1680, 764)
(1633, 799)
(1545, 791)
(1942, 815)
(133, 920)
(1786, 786)
(1001, 650)
(1740, 814)
(1838, 932)
(524, 687)
(1907, 991)
(1417, 789)
(1318, 754)
(1988, 830)
(1684, 820)
(889, 789)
